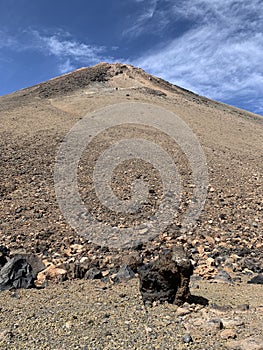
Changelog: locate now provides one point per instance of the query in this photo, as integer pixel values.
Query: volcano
(35, 122)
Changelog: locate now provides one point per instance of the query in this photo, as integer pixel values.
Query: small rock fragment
(124, 273)
(187, 338)
(93, 273)
(256, 280)
(232, 323)
(68, 324)
(228, 334)
(243, 307)
(214, 324)
(221, 308)
(223, 277)
(182, 311)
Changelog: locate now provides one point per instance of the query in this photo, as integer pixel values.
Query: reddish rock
(51, 273)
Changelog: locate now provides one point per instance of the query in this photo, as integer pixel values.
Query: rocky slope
(34, 122)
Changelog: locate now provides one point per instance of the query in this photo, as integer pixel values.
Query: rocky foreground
(162, 305)
(97, 315)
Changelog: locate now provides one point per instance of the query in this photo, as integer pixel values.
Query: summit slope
(35, 120)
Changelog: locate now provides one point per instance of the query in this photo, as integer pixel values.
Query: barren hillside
(34, 123)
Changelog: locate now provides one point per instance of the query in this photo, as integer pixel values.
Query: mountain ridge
(114, 75)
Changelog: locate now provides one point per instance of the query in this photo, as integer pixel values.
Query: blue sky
(212, 47)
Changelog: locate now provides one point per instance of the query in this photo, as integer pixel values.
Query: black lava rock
(16, 273)
(256, 280)
(167, 278)
(93, 273)
(3, 254)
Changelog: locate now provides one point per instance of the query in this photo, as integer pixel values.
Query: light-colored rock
(210, 262)
(228, 334)
(251, 343)
(232, 323)
(214, 324)
(182, 311)
(51, 273)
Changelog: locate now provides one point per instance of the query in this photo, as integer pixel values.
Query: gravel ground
(94, 315)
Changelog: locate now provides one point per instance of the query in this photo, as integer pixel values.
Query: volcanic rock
(16, 273)
(51, 273)
(3, 255)
(256, 280)
(125, 273)
(35, 262)
(93, 273)
(167, 278)
(223, 277)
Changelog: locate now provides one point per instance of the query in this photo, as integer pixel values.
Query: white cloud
(66, 66)
(67, 50)
(71, 48)
(220, 56)
(7, 41)
(142, 19)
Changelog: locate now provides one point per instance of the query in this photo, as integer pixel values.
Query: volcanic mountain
(34, 124)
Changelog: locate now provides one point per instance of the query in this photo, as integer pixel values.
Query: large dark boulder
(167, 278)
(16, 273)
(35, 262)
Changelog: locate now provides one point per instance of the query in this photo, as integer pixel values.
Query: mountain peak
(115, 75)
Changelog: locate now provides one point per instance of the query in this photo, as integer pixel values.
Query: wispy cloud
(220, 56)
(60, 47)
(7, 41)
(69, 52)
(143, 18)
(66, 66)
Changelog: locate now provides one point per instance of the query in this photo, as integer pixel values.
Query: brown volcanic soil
(34, 122)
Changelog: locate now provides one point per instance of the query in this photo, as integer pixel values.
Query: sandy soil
(95, 315)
